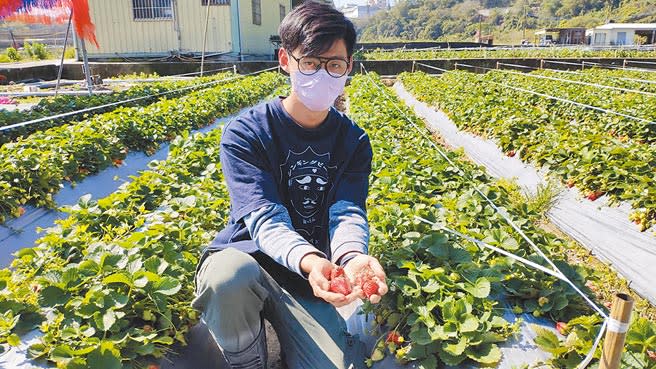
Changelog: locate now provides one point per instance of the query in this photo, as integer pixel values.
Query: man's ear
(350, 65)
(283, 59)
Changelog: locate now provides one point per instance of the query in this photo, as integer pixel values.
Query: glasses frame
(323, 62)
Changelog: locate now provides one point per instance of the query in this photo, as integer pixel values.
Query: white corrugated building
(152, 28)
(619, 34)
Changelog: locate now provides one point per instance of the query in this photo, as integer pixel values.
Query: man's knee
(229, 272)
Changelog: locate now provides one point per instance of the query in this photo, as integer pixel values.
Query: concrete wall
(383, 67)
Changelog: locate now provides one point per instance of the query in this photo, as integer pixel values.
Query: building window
(257, 11)
(152, 9)
(282, 12)
(215, 2)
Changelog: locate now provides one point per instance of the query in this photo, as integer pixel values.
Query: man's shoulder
(350, 126)
(250, 121)
(346, 122)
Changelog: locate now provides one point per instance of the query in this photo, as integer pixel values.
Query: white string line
(194, 73)
(570, 81)
(430, 66)
(583, 63)
(566, 100)
(555, 271)
(557, 274)
(607, 77)
(499, 211)
(63, 115)
(638, 62)
(583, 75)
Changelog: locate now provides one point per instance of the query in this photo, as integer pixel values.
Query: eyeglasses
(309, 65)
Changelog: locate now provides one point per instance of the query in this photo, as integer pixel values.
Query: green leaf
(105, 357)
(449, 359)
(470, 324)
(119, 278)
(487, 353)
(509, 243)
(52, 296)
(106, 320)
(428, 363)
(455, 349)
(13, 340)
(419, 334)
(548, 341)
(167, 286)
(165, 340)
(480, 289)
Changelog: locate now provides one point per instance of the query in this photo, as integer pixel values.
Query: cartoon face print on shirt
(308, 182)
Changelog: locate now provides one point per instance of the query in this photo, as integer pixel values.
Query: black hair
(314, 27)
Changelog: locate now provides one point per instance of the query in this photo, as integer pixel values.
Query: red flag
(82, 20)
(45, 11)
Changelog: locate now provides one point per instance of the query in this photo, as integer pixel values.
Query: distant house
(560, 36)
(621, 34)
(155, 28)
(354, 11)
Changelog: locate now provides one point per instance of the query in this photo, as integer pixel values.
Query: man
(297, 173)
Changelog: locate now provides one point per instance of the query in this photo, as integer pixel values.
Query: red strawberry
(394, 337)
(510, 153)
(570, 183)
(592, 196)
(153, 366)
(561, 327)
(338, 281)
(652, 355)
(340, 285)
(336, 272)
(369, 288)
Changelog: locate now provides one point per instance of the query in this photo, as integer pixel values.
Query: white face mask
(318, 91)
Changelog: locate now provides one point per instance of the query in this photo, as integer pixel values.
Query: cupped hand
(362, 263)
(318, 269)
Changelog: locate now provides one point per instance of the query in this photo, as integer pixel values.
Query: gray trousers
(234, 293)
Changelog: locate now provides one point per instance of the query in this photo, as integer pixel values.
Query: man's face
(308, 193)
(337, 50)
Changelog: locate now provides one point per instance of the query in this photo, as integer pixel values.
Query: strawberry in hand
(368, 276)
(338, 282)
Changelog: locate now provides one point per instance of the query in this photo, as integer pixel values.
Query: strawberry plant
(447, 295)
(69, 103)
(573, 143)
(484, 53)
(33, 169)
(111, 285)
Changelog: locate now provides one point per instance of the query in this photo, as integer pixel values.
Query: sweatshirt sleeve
(348, 226)
(349, 230)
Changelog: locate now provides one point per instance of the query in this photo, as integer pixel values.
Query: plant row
(447, 296)
(483, 53)
(571, 142)
(68, 103)
(111, 285)
(607, 77)
(32, 170)
(635, 104)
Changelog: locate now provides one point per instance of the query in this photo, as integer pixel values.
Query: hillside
(459, 20)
